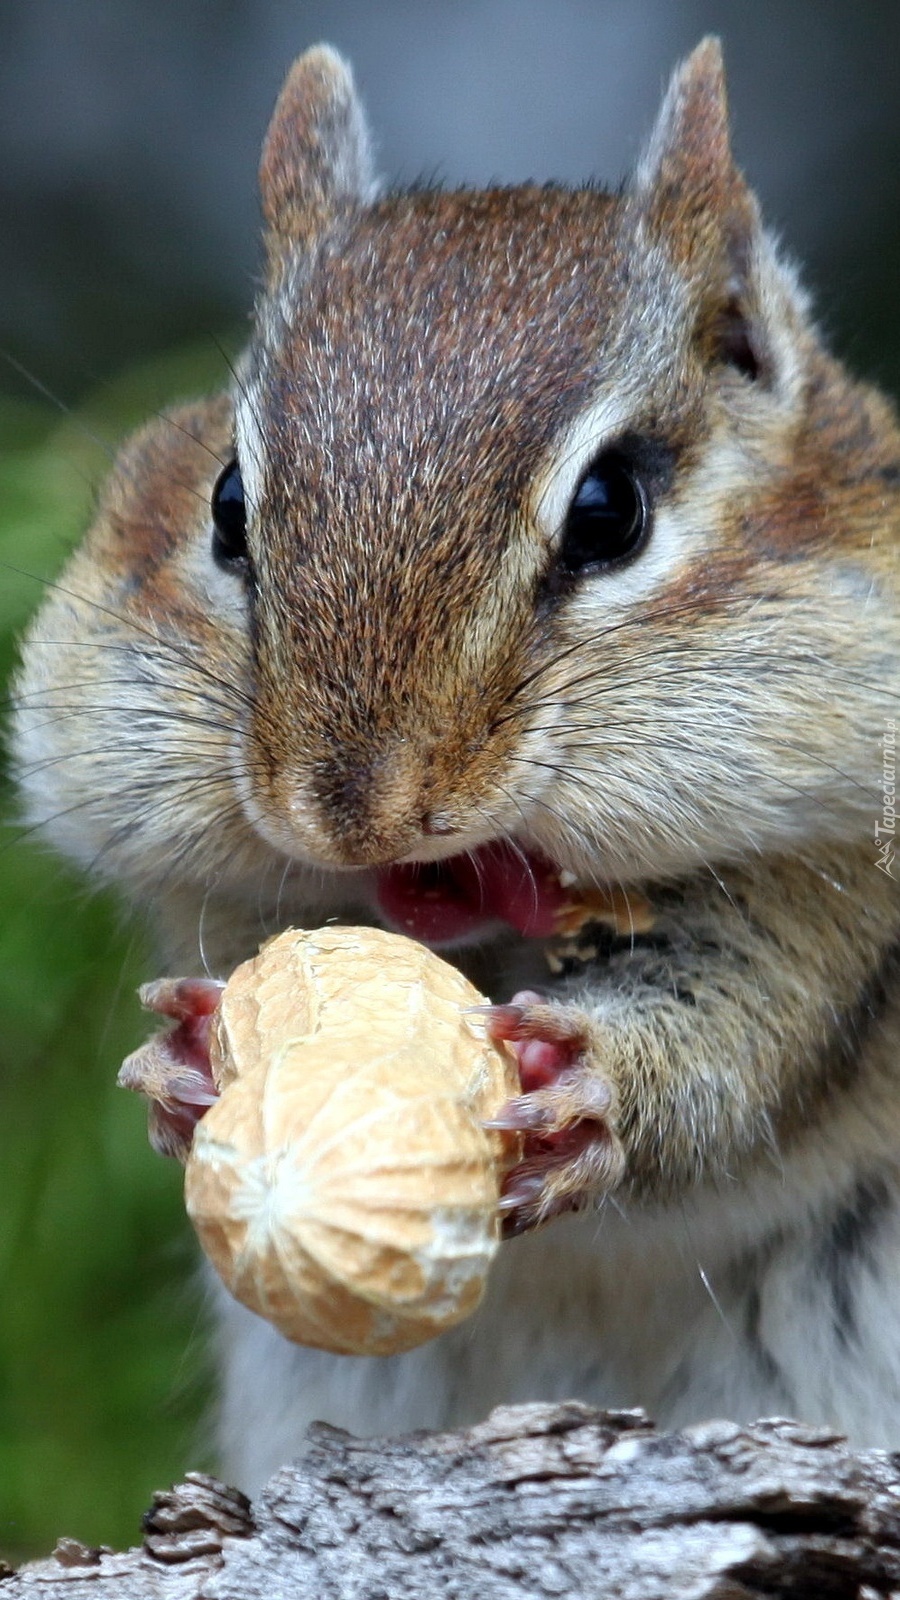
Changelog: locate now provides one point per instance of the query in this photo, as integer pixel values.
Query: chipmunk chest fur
(540, 540)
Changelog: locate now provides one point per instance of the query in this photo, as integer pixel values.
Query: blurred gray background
(129, 134)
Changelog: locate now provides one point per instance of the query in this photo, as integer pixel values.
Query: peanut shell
(342, 1184)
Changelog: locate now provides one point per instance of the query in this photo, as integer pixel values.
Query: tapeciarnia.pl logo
(886, 829)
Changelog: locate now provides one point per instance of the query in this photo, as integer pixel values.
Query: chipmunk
(538, 540)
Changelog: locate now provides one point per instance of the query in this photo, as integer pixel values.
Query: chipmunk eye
(229, 541)
(608, 518)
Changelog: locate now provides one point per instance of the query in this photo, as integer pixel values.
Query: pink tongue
(439, 902)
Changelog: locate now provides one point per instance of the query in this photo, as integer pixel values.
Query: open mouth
(441, 902)
(438, 903)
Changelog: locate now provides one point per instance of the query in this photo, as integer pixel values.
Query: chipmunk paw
(571, 1153)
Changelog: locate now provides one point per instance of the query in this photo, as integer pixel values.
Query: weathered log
(538, 1501)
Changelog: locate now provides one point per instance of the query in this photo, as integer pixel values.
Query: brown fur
(406, 674)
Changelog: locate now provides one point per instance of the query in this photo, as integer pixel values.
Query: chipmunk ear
(316, 158)
(692, 199)
(687, 178)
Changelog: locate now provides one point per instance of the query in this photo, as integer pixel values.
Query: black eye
(229, 541)
(608, 517)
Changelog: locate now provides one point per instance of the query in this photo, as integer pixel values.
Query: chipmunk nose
(366, 801)
(378, 809)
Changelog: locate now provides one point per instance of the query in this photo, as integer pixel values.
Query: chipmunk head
(544, 519)
(522, 502)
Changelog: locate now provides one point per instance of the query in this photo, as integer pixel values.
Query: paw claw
(521, 1021)
(523, 1191)
(183, 999)
(502, 1022)
(532, 1198)
(524, 1114)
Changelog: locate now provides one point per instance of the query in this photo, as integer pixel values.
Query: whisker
(178, 652)
(647, 618)
(108, 447)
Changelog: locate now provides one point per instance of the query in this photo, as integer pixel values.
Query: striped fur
(429, 376)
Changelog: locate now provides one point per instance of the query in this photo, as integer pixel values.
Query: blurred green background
(129, 138)
(103, 1380)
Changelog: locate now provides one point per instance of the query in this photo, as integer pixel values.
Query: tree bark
(538, 1501)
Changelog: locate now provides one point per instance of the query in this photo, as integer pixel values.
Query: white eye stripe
(610, 595)
(678, 537)
(554, 487)
(249, 445)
